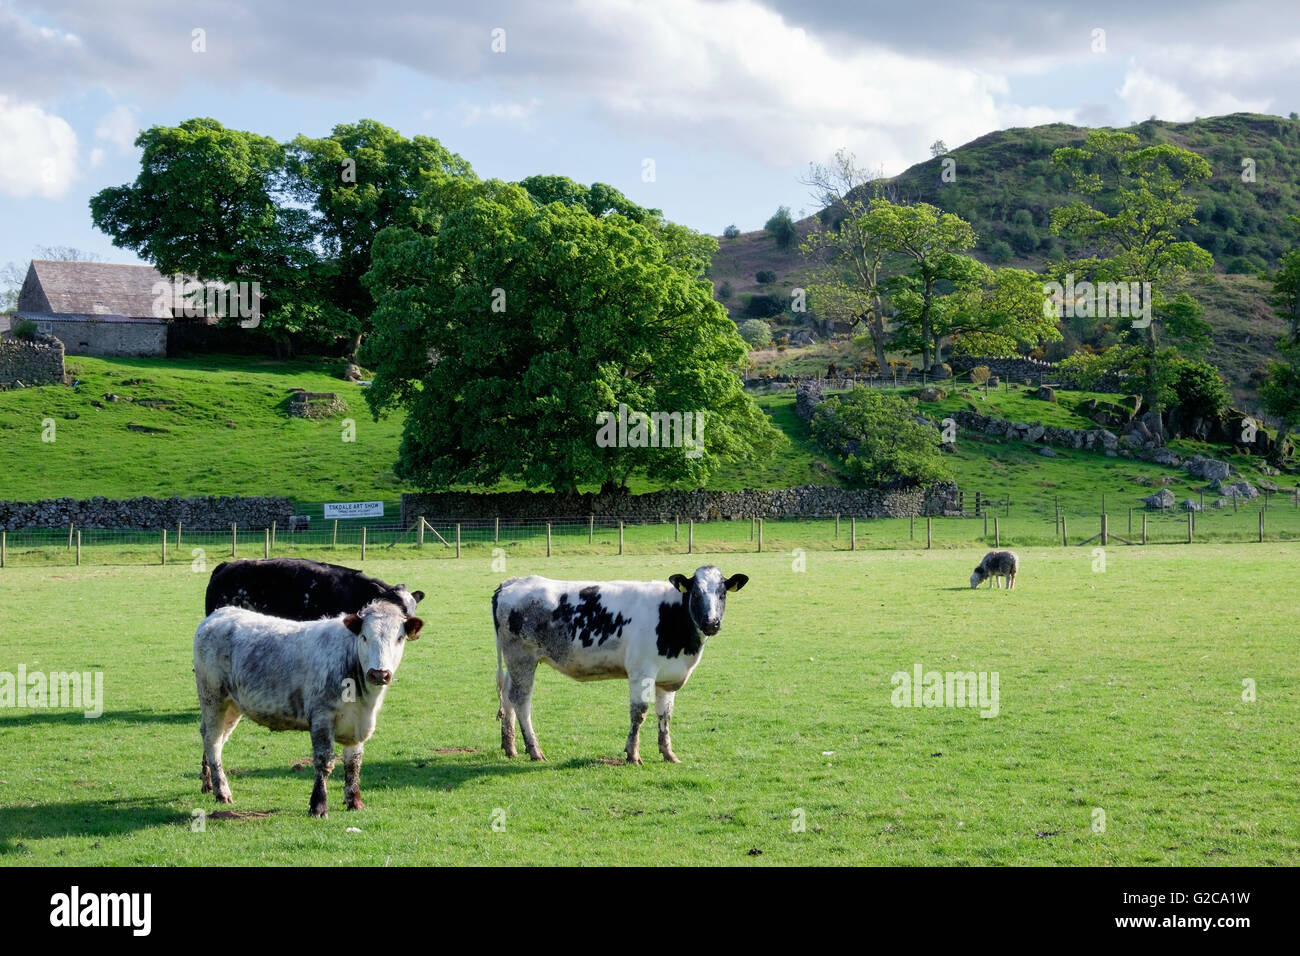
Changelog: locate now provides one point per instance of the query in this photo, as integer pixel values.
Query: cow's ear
(418, 595)
(736, 582)
(353, 623)
(681, 582)
(413, 625)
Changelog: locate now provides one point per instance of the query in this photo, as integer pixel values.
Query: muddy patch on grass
(240, 814)
(444, 751)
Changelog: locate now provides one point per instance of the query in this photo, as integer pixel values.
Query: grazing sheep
(997, 564)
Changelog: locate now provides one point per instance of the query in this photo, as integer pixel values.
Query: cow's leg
(1011, 580)
(352, 777)
(218, 721)
(322, 749)
(664, 710)
(523, 668)
(507, 715)
(638, 695)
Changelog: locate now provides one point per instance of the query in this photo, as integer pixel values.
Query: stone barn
(95, 308)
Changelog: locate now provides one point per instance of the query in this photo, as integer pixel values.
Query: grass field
(1119, 691)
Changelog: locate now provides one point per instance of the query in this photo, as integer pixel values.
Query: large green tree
(509, 330)
(1135, 202)
(299, 218)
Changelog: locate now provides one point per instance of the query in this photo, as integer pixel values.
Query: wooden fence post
(496, 530)
(164, 545)
(234, 538)
(178, 536)
(997, 533)
(272, 535)
(1130, 522)
(751, 527)
(78, 547)
(911, 527)
(1144, 528)
(760, 535)
(677, 526)
(266, 545)
(548, 540)
(929, 531)
(1105, 528)
(419, 532)
(837, 526)
(363, 544)
(1261, 526)
(620, 535)
(591, 528)
(1189, 527)
(690, 536)
(853, 533)
(4, 548)
(334, 542)
(1065, 535)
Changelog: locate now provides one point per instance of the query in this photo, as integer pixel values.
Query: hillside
(218, 426)
(1006, 187)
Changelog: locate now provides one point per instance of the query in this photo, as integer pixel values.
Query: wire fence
(999, 524)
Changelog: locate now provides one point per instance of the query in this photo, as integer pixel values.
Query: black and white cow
(300, 590)
(650, 632)
(327, 677)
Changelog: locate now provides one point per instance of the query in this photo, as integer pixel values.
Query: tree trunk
(354, 348)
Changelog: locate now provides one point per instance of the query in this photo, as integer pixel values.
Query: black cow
(301, 590)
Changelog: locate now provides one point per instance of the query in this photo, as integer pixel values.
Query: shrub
(756, 333)
(782, 228)
(731, 232)
(764, 306)
(1000, 253)
(25, 329)
(724, 291)
(980, 374)
(765, 276)
(882, 443)
(1199, 390)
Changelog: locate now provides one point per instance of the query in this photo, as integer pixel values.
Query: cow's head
(407, 600)
(382, 630)
(706, 595)
(977, 578)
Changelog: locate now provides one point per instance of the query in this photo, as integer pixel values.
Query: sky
(710, 110)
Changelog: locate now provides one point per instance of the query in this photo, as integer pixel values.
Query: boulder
(1190, 505)
(352, 373)
(1047, 452)
(1221, 502)
(993, 382)
(1266, 485)
(1162, 499)
(931, 394)
(1237, 489)
(940, 372)
(1046, 393)
(1165, 456)
(1207, 469)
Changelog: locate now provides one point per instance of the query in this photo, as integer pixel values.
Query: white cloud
(38, 151)
(119, 126)
(96, 157)
(519, 113)
(1145, 94)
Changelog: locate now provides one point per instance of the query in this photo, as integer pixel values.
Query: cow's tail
(501, 673)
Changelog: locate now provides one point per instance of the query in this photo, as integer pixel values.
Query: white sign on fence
(355, 509)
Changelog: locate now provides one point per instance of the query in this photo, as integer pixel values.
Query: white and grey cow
(995, 565)
(327, 677)
(650, 632)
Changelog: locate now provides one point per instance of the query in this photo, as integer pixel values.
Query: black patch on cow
(589, 621)
(515, 621)
(296, 588)
(676, 633)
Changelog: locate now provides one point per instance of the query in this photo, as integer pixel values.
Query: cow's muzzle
(379, 677)
(711, 628)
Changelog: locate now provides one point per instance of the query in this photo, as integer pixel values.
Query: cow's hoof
(224, 798)
(319, 812)
(671, 758)
(634, 759)
(356, 805)
(537, 755)
(207, 787)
